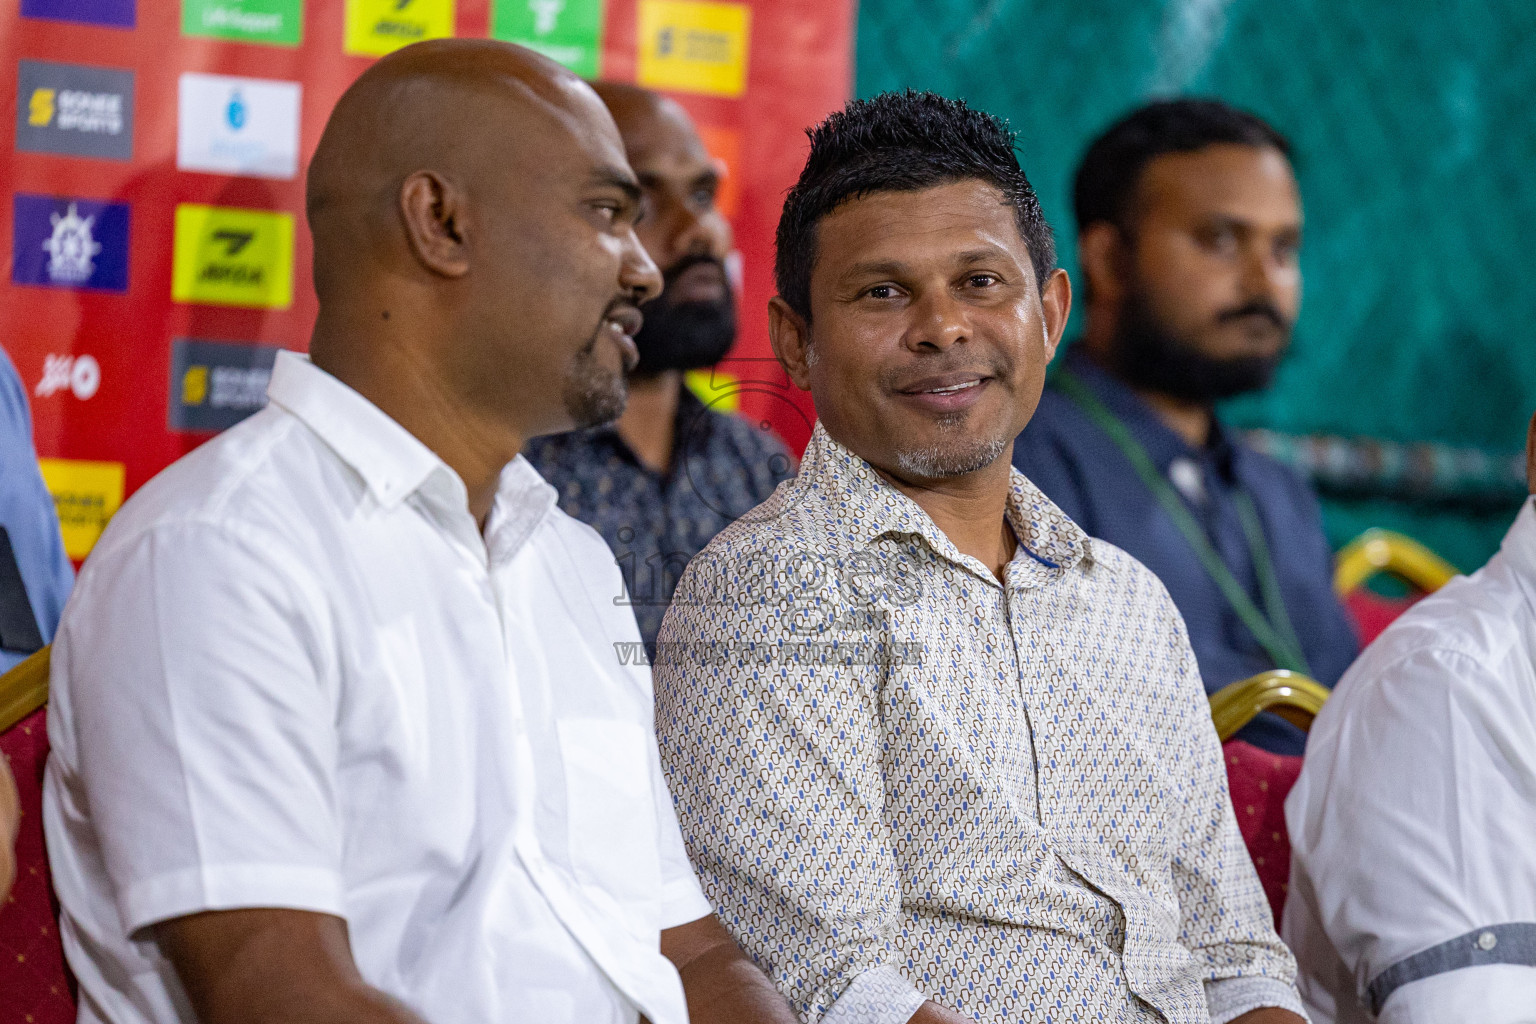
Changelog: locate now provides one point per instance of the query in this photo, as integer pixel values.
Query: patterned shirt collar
(868, 507)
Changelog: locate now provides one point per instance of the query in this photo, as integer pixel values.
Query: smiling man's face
(929, 337)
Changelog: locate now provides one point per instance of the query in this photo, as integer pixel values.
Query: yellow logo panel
(694, 46)
(86, 495)
(227, 256)
(377, 27)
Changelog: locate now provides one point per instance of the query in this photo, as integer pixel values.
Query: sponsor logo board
(117, 13)
(86, 495)
(216, 384)
(228, 256)
(74, 109)
(62, 242)
(278, 22)
(231, 125)
(76, 375)
(377, 27)
(693, 46)
(569, 31)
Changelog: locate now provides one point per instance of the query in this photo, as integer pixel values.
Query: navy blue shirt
(722, 467)
(30, 522)
(1081, 469)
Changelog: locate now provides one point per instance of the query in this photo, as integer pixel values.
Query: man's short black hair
(1106, 182)
(900, 142)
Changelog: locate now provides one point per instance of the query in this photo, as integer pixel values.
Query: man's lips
(946, 392)
(622, 324)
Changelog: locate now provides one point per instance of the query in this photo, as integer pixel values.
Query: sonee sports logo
(74, 109)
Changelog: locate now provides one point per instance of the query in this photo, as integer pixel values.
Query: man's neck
(408, 389)
(1190, 420)
(649, 423)
(971, 511)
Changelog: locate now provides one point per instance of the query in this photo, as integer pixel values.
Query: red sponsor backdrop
(798, 69)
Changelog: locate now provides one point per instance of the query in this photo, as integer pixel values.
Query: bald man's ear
(790, 337)
(1101, 255)
(432, 210)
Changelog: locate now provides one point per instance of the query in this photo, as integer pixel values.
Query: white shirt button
(1486, 941)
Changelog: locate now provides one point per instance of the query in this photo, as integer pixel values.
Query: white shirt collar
(392, 462)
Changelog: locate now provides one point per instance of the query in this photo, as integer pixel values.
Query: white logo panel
(246, 126)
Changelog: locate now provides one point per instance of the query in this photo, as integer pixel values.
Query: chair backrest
(1259, 780)
(35, 987)
(1383, 551)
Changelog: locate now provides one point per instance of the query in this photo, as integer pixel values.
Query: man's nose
(638, 274)
(938, 320)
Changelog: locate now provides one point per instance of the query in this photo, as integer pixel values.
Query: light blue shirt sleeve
(28, 515)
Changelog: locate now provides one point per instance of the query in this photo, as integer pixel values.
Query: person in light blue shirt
(35, 573)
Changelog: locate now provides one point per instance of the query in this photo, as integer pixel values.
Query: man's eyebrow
(874, 268)
(622, 180)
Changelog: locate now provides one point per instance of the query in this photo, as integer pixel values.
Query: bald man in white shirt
(339, 731)
(1413, 825)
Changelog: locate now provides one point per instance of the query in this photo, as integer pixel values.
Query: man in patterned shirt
(938, 755)
(671, 472)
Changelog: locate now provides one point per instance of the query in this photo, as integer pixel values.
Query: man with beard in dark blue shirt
(1189, 228)
(671, 472)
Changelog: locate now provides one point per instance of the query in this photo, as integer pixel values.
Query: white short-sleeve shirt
(294, 674)
(1413, 824)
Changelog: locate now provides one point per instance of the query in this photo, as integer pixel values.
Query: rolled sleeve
(1230, 998)
(800, 862)
(1491, 994)
(1226, 921)
(878, 996)
(199, 728)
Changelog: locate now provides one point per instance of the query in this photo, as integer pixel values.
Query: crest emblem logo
(71, 249)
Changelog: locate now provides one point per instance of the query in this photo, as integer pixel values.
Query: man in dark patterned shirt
(671, 473)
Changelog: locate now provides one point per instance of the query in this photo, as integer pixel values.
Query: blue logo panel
(59, 242)
(117, 13)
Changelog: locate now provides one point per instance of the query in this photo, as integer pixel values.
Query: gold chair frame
(24, 689)
(1291, 695)
(1377, 551)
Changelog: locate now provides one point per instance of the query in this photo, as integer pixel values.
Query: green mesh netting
(1415, 133)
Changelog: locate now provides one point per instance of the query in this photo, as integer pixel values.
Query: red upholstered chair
(34, 985)
(1258, 779)
(1382, 551)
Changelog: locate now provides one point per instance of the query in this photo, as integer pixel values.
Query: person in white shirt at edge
(1413, 824)
(338, 729)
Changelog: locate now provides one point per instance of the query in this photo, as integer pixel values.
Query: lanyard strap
(1274, 631)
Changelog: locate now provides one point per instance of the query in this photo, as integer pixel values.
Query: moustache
(671, 274)
(1258, 307)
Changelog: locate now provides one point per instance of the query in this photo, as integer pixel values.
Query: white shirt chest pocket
(610, 808)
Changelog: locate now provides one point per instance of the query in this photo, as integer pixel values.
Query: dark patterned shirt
(654, 522)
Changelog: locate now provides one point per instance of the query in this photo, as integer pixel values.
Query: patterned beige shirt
(901, 780)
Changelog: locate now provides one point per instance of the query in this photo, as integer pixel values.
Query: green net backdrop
(1415, 141)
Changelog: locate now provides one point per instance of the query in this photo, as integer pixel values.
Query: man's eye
(882, 291)
(982, 280)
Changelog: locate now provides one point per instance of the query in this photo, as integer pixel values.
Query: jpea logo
(74, 109)
(226, 256)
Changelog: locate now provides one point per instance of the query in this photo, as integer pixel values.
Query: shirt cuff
(878, 996)
(230, 887)
(1230, 998)
(683, 902)
(1488, 993)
